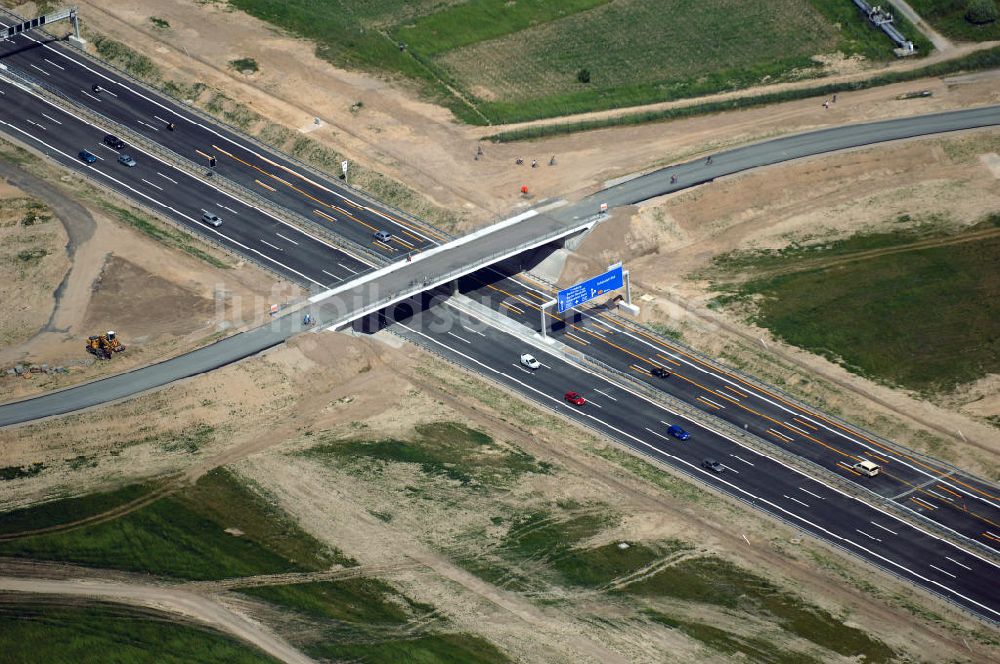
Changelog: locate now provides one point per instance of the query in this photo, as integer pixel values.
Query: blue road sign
(579, 293)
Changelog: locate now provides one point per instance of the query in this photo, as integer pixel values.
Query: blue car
(88, 157)
(678, 432)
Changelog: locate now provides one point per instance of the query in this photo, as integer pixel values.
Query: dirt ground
(101, 274)
(420, 144)
(669, 242)
(264, 410)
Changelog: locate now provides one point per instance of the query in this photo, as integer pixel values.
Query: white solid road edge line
(569, 360)
(423, 255)
(735, 488)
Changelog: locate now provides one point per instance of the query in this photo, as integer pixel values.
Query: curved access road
(648, 186)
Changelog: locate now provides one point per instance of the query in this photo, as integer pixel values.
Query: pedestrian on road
(552, 162)
(834, 99)
(709, 160)
(534, 163)
(673, 179)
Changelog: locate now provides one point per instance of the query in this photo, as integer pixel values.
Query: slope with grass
(493, 61)
(948, 17)
(917, 308)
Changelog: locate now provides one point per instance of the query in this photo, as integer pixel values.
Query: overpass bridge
(334, 309)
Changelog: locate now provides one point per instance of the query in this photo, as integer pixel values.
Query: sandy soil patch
(421, 145)
(102, 274)
(667, 243)
(33, 262)
(265, 410)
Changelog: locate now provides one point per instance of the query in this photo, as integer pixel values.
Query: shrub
(244, 65)
(583, 76)
(981, 12)
(161, 23)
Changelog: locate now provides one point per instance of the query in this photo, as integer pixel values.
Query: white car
(530, 361)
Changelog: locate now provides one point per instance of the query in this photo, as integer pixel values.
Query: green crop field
(497, 61)
(184, 535)
(927, 318)
(97, 632)
(948, 18)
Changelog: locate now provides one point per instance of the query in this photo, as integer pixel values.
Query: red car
(575, 399)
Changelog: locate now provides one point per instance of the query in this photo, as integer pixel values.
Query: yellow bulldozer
(104, 345)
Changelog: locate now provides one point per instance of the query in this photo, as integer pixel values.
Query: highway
(758, 480)
(62, 68)
(965, 505)
(246, 229)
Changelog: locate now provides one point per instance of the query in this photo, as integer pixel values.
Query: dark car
(678, 432)
(114, 142)
(713, 465)
(574, 398)
(88, 157)
(660, 372)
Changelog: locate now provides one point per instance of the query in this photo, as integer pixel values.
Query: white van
(866, 467)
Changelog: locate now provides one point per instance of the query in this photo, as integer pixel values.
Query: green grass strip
(986, 59)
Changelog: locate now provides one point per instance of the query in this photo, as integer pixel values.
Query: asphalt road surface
(758, 480)
(969, 581)
(246, 229)
(954, 500)
(62, 68)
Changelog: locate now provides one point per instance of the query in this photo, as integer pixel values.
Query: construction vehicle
(104, 345)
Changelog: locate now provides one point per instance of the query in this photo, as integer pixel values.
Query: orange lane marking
(922, 503)
(805, 424)
(538, 297)
(325, 215)
(733, 389)
(882, 459)
(577, 339)
(396, 238)
(266, 186)
(707, 403)
(204, 154)
(641, 370)
(944, 488)
(729, 399)
(514, 309)
(384, 246)
(812, 413)
(849, 469)
(317, 185)
(995, 539)
(669, 359)
(782, 438)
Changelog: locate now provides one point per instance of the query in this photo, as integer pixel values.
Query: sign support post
(545, 324)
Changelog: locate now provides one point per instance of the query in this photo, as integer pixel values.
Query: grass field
(42, 632)
(70, 509)
(441, 449)
(366, 620)
(494, 61)
(715, 581)
(927, 319)
(948, 18)
(184, 535)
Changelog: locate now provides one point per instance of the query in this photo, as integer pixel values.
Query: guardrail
(195, 170)
(190, 108)
(427, 282)
(699, 481)
(791, 459)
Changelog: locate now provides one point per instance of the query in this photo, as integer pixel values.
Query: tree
(583, 76)
(981, 11)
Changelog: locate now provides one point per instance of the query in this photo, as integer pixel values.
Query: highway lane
(963, 504)
(62, 68)
(245, 229)
(761, 481)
